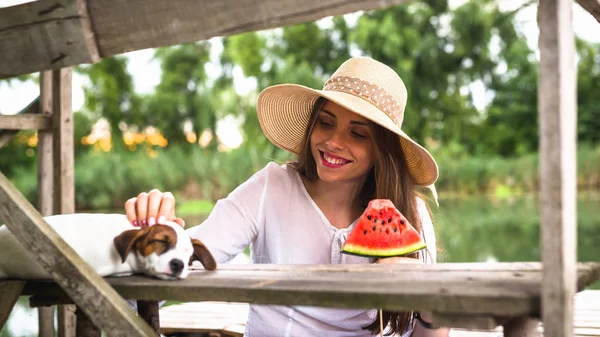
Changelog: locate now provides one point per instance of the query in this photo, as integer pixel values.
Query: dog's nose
(176, 266)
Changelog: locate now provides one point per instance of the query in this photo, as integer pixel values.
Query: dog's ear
(124, 241)
(202, 254)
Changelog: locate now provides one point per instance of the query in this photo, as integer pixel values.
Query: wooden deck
(229, 318)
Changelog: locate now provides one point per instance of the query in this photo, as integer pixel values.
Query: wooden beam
(44, 35)
(63, 170)
(90, 292)
(592, 6)
(24, 122)
(558, 137)
(9, 294)
(444, 288)
(124, 26)
(45, 185)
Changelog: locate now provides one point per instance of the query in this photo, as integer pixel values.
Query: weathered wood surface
(45, 184)
(24, 122)
(7, 134)
(148, 310)
(592, 6)
(445, 288)
(229, 318)
(9, 294)
(57, 35)
(557, 92)
(45, 35)
(91, 292)
(63, 170)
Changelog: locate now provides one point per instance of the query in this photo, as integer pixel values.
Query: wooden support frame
(592, 6)
(91, 292)
(85, 31)
(558, 194)
(45, 188)
(9, 293)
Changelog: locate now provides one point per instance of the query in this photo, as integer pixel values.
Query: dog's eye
(164, 242)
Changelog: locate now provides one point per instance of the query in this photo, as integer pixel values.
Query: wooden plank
(24, 122)
(9, 294)
(63, 147)
(85, 327)
(7, 135)
(97, 299)
(123, 26)
(148, 310)
(63, 169)
(45, 184)
(557, 110)
(45, 35)
(500, 293)
(592, 6)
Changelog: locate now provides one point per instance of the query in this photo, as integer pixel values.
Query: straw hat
(362, 85)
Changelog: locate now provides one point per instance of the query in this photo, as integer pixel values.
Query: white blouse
(274, 214)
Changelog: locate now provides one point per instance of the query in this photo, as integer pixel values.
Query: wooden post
(63, 164)
(148, 310)
(45, 183)
(557, 112)
(521, 327)
(9, 294)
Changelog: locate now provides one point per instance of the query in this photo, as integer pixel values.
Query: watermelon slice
(382, 231)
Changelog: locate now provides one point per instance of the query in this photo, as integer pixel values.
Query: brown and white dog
(112, 247)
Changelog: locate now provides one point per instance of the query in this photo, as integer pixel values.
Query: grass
(190, 207)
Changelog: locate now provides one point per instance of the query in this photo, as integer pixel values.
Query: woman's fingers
(141, 207)
(151, 208)
(167, 208)
(154, 204)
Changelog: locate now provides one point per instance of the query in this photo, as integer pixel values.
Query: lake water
(469, 229)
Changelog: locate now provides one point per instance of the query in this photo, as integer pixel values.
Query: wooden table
(462, 295)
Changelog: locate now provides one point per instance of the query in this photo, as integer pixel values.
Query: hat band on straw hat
(368, 91)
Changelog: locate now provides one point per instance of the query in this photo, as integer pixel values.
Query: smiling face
(341, 145)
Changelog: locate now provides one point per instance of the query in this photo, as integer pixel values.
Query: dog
(112, 246)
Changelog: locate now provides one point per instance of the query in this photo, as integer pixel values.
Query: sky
(146, 71)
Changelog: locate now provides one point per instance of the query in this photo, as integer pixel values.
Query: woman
(351, 149)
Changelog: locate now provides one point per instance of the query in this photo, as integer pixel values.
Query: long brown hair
(388, 179)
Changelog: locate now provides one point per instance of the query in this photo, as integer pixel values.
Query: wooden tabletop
(468, 288)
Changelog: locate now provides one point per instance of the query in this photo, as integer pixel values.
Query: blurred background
(183, 118)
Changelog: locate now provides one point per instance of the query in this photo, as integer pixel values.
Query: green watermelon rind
(363, 251)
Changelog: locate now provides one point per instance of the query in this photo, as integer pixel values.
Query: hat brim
(284, 113)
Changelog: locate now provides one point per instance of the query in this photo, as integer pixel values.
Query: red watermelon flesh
(383, 231)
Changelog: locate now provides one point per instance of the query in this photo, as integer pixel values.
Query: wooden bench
(461, 295)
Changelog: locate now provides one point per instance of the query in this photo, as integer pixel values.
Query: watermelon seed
(389, 220)
(365, 232)
(368, 217)
(395, 229)
(402, 221)
(387, 231)
(374, 227)
(375, 220)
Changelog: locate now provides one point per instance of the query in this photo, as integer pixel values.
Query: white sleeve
(430, 253)
(234, 221)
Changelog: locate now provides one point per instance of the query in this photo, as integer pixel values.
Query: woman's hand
(398, 260)
(151, 208)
